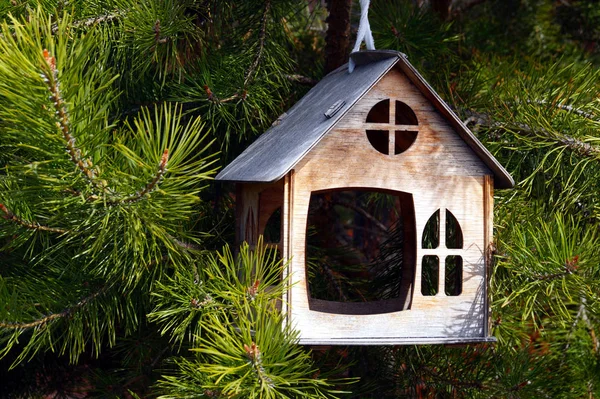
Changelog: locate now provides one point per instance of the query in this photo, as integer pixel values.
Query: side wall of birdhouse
(440, 173)
(255, 204)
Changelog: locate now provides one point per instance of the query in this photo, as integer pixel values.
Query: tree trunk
(338, 34)
(442, 8)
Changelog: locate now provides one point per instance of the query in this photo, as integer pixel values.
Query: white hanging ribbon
(364, 32)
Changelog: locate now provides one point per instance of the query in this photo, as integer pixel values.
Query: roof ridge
(290, 138)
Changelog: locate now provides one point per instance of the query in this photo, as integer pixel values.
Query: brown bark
(442, 8)
(463, 7)
(337, 39)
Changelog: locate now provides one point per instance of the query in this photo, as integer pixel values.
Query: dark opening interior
(403, 140)
(405, 115)
(272, 233)
(431, 233)
(454, 236)
(453, 283)
(360, 251)
(430, 276)
(453, 264)
(380, 113)
(379, 139)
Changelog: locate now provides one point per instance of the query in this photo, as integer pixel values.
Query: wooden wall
(440, 172)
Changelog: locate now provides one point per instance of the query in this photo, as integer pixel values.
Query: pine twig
(65, 313)
(254, 356)
(91, 21)
(8, 215)
(303, 80)
(578, 146)
(185, 245)
(50, 77)
(157, 36)
(583, 315)
(570, 108)
(138, 196)
(213, 98)
(363, 212)
(570, 267)
(589, 325)
(261, 43)
(243, 93)
(162, 169)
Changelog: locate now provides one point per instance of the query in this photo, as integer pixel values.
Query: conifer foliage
(117, 273)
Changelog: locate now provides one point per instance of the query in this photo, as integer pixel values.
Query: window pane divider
(441, 252)
(389, 126)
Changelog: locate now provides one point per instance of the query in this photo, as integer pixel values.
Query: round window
(397, 130)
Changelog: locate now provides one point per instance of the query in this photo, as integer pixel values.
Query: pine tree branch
(213, 98)
(570, 108)
(8, 215)
(255, 357)
(92, 21)
(185, 245)
(570, 267)
(242, 93)
(589, 325)
(162, 169)
(574, 325)
(580, 147)
(50, 77)
(334, 281)
(261, 44)
(65, 313)
(157, 36)
(138, 196)
(582, 315)
(364, 213)
(303, 80)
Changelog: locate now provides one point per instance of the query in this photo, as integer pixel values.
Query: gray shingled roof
(296, 132)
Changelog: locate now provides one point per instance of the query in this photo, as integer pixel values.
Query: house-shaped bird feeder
(316, 183)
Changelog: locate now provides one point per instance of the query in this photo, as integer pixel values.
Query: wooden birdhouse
(379, 131)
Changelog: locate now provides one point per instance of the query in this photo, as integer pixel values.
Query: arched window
(393, 129)
(452, 266)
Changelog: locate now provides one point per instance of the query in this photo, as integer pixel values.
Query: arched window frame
(441, 264)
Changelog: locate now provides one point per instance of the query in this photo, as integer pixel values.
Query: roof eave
(363, 57)
(502, 179)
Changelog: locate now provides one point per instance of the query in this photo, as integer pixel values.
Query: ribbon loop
(364, 32)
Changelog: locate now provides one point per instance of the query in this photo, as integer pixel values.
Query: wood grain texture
(439, 171)
(286, 143)
(270, 199)
(277, 150)
(287, 236)
(488, 201)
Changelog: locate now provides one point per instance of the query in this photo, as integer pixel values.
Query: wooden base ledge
(395, 341)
